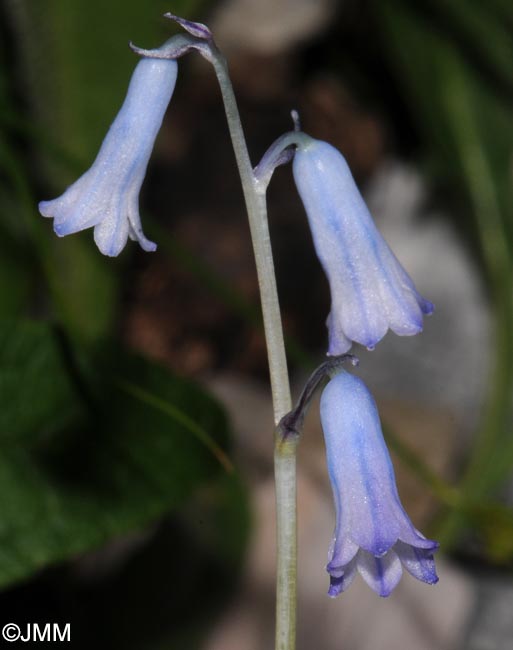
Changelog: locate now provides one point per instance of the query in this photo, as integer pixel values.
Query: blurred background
(136, 493)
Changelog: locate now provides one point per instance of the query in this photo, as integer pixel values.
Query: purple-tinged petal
(137, 235)
(338, 341)
(106, 196)
(370, 520)
(342, 581)
(111, 235)
(370, 290)
(345, 548)
(417, 561)
(426, 306)
(382, 574)
(410, 535)
(135, 230)
(359, 466)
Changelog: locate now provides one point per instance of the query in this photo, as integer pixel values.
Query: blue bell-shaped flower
(373, 534)
(106, 197)
(370, 290)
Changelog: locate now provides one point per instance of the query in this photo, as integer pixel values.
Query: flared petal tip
(431, 578)
(46, 208)
(385, 591)
(110, 251)
(418, 561)
(136, 234)
(383, 572)
(410, 326)
(338, 344)
(337, 567)
(380, 578)
(112, 247)
(59, 229)
(335, 588)
(341, 580)
(424, 570)
(148, 246)
(426, 307)
(368, 341)
(427, 545)
(63, 228)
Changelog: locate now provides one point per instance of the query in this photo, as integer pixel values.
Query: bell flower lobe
(373, 534)
(106, 197)
(370, 290)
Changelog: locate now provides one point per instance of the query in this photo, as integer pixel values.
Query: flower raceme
(370, 290)
(373, 534)
(106, 197)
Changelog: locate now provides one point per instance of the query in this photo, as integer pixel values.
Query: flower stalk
(284, 452)
(253, 189)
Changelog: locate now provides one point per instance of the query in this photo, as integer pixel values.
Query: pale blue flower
(370, 290)
(373, 534)
(106, 197)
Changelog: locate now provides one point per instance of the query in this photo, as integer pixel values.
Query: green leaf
(494, 524)
(173, 584)
(84, 285)
(16, 281)
(176, 414)
(116, 463)
(37, 395)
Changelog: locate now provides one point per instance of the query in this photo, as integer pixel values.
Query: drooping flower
(373, 534)
(370, 290)
(106, 197)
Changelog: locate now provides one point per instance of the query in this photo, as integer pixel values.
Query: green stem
(285, 452)
(286, 534)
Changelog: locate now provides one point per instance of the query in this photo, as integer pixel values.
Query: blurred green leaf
(176, 414)
(224, 519)
(37, 395)
(464, 114)
(482, 31)
(494, 524)
(172, 585)
(16, 281)
(103, 474)
(84, 285)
